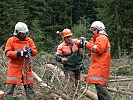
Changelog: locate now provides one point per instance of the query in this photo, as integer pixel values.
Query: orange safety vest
(98, 72)
(16, 64)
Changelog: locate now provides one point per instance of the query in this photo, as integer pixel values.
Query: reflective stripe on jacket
(98, 72)
(15, 67)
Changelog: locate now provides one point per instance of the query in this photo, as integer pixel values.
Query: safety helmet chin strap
(101, 31)
(22, 38)
(96, 32)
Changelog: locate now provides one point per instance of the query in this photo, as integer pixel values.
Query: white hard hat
(97, 24)
(100, 26)
(20, 27)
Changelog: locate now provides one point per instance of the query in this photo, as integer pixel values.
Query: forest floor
(120, 84)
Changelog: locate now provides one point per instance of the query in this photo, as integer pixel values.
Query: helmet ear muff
(17, 31)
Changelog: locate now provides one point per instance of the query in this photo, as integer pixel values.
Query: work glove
(25, 53)
(82, 42)
(22, 53)
(83, 38)
(28, 49)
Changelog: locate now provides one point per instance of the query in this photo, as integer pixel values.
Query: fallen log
(59, 71)
(121, 80)
(89, 94)
(39, 80)
(120, 91)
(56, 70)
(56, 97)
(120, 77)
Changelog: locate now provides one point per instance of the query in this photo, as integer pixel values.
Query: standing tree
(12, 11)
(114, 14)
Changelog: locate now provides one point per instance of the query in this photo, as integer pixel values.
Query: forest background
(45, 17)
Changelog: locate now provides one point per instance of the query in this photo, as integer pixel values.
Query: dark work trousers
(102, 92)
(10, 89)
(73, 75)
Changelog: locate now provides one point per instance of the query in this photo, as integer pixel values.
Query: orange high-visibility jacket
(98, 72)
(64, 48)
(72, 53)
(16, 64)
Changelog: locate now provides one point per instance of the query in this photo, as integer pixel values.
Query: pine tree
(84, 8)
(12, 11)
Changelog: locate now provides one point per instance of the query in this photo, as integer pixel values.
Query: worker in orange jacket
(18, 49)
(98, 72)
(69, 55)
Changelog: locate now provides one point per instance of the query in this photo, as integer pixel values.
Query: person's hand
(28, 49)
(83, 38)
(22, 53)
(64, 60)
(82, 42)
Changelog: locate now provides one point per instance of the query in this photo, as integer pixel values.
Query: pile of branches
(50, 83)
(53, 76)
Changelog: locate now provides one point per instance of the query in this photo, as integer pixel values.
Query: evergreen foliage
(45, 17)
(116, 14)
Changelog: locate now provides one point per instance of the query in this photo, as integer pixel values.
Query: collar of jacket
(95, 36)
(17, 39)
(68, 44)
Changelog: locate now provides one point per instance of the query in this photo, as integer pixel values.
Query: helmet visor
(22, 33)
